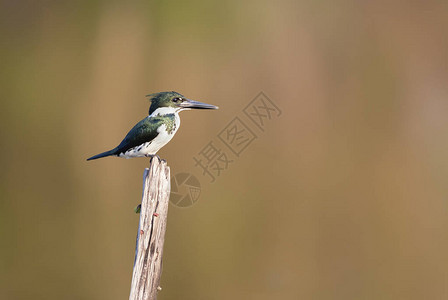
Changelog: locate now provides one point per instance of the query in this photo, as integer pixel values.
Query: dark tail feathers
(104, 154)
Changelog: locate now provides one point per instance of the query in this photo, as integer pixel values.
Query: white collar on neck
(161, 111)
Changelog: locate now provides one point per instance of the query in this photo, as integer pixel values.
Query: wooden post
(151, 231)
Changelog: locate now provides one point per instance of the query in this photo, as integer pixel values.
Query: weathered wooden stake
(151, 231)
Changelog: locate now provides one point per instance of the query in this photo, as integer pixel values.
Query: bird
(153, 132)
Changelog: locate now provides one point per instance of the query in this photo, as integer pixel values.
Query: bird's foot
(155, 155)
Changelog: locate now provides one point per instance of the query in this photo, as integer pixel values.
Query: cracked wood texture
(151, 233)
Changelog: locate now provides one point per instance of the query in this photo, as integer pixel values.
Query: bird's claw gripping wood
(155, 155)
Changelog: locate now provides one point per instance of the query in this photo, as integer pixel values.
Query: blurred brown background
(344, 196)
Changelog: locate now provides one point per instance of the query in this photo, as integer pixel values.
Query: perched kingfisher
(153, 132)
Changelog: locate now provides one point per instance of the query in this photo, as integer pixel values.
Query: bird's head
(173, 102)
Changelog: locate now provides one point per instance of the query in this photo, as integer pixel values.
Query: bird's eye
(177, 100)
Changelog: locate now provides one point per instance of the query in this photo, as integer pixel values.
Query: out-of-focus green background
(344, 196)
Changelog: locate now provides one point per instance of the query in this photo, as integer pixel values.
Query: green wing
(144, 131)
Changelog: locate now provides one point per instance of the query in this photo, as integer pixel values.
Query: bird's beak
(187, 103)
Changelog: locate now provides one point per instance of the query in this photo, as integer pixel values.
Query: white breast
(151, 148)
